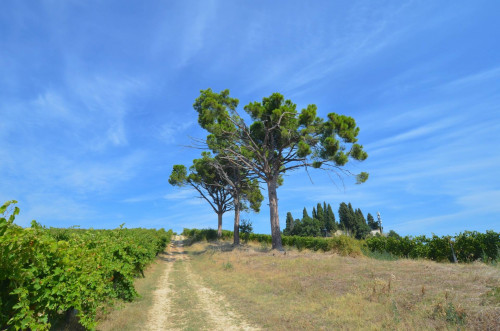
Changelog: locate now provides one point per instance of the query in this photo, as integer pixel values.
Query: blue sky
(96, 105)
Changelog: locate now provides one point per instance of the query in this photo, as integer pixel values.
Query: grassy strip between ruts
(306, 290)
(186, 311)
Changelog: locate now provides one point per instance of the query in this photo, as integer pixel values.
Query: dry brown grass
(307, 290)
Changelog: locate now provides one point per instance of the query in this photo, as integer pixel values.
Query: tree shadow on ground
(171, 256)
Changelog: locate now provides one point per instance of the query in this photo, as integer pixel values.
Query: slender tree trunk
(236, 221)
(219, 229)
(275, 220)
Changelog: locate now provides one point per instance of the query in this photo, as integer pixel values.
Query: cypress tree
(314, 214)
(320, 215)
(344, 217)
(351, 219)
(297, 227)
(305, 214)
(289, 224)
(371, 222)
(362, 229)
(331, 225)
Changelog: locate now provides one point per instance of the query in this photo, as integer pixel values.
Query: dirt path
(163, 314)
(159, 312)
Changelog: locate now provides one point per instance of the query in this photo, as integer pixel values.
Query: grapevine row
(47, 272)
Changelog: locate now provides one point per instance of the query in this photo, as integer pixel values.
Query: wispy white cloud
(186, 196)
(426, 131)
(481, 201)
(57, 209)
(142, 198)
(417, 224)
(197, 219)
(52, 105)
(95, 176)
(188, 39)
(480, 77)
(353, 37)
(181, 194)
(169, 132)
(105, 100)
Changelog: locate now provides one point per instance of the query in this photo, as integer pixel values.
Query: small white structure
(338, 233)
(379, 222)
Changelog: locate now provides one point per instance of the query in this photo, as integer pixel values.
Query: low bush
(205, 234)
(468, 246)
(343, 245)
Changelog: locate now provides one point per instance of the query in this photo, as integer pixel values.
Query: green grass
(385, 256)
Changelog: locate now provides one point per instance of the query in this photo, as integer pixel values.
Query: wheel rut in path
(220, 315)
(216, 307)
(159, 313)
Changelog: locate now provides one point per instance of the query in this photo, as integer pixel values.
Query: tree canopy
(242, 188)
(279, 139)
(204, 178)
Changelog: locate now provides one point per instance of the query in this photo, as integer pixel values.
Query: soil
(221, 316)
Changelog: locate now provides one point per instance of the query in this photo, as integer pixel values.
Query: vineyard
(467, 246)
(46, 273)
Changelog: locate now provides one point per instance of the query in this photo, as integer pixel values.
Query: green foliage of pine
(47, 272)
(278, 140)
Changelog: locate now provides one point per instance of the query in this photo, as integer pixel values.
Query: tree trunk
(273, 209)
(219, 229)
(236, 222)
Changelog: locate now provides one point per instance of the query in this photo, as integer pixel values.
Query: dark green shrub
(246, 229)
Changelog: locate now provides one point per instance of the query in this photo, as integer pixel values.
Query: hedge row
(205, 234)
(468, 246)
(343, 245)
(45, 273)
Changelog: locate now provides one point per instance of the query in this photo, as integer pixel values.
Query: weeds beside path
(303, 290)
(215, 286)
